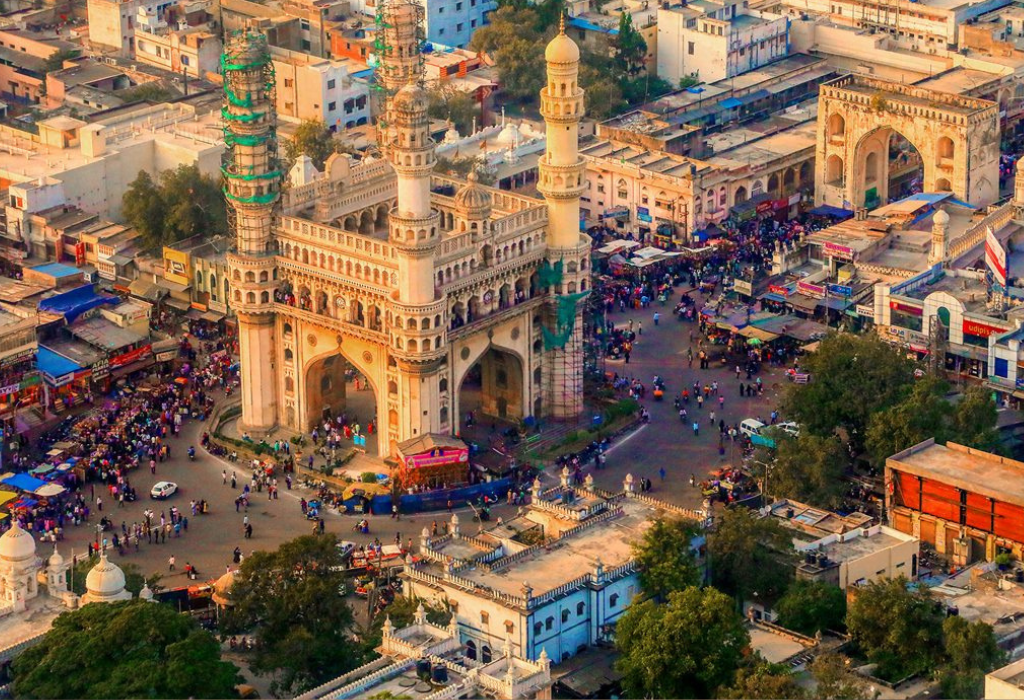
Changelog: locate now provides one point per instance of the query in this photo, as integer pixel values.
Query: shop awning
(177, 304)
(212, 316)
(132, 367)
(6, 496)
(76, 302)
(49, 490)
(54, 366)
(760, 334)
(24, 482)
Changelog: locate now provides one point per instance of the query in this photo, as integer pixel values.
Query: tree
(896, 628)
(971, 652)
(764, 681)
(154, 91)
(687, 648)
(521, 68)
(195, 203)
(974, 420)
(666, 559)
(602, 92)
(289, 598)
(630, 47)
(834, 681)
(506, 24)
(923, 414)
(453, 105)
(312, 138)
(55, 61)
(130, 649)
(852, 377)
(184, 203)
(812, 606)
(750, 557)
(142, 206)
(808, 468)
(643, 88)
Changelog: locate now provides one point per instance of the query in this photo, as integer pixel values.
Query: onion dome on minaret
(473, 201)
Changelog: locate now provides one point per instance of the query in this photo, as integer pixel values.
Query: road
(666, 441)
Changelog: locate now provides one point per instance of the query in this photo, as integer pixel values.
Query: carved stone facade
(413, 278)
(957, 138)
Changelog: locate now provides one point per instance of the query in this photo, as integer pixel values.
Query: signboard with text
(834, 250)
(743, 287)
(906, 308)
(130, 356)
(437, 458)
(777, 289)
(980, 330)
(811, 290)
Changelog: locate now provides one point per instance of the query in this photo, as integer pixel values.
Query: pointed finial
(561, 23)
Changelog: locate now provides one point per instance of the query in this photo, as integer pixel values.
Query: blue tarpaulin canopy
(24, 482)
(76, 302)
(829, 210)
(53, 364)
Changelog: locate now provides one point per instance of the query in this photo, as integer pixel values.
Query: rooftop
(984, 473)
(101, 333)
(57, 270)
(773, 646)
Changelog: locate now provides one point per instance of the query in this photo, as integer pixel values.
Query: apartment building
(319, 88)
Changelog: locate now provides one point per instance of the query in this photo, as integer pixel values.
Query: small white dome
(452, 135)
(146, 593)
(509, 136)
(941, 217)
(472, 199)
(222, 589)
(56, 560)
(17, 544)
(562, 49)
(106, 579)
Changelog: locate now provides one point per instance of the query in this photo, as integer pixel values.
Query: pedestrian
(234, 481)
(657, 317)
(170, 563)
(223, 476)
(661, 473)
(639, 327)
(696, 428)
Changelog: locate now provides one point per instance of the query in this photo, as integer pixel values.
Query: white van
(751, 426)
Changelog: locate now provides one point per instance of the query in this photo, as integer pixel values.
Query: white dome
(106, 579)
(16, 544)
(509, 136)
(222, 589)
(562, 49)
(146, 593)
(941, 217)
(56, 560)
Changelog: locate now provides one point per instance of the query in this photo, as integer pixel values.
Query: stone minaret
(561, 184)
(398, 45)
(940, 237)
(418, 333)
(252, 186)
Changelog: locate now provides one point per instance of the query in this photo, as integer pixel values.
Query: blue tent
(76, 302)
(24, 482)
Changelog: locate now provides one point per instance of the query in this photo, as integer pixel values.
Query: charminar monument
(410, 278)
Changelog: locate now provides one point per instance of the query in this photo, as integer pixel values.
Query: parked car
(163, 489)
(751, 427)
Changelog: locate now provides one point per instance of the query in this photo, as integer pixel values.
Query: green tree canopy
(55, 61)
(974, 419)
(971, 652)
(834, 680)
(312, 138)
(185, 203)
(751, 557)
(812, 606)
(289, 598)
(130, 649)
(764, 681)
(456, 106)
(853, 377)
(666, 558)
(687, 648)
(807, 468)
(896, 628)
(630, 47)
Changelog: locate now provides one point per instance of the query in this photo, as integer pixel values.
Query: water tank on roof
(439, 674)
(423, 669)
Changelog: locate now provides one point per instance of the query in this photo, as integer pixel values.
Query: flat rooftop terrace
(946, 102)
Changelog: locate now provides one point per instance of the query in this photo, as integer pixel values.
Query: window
(509, 627)
(458, 7)
(472, 23)
(304, 24)
(440, 10)
(330, 84)
(1002, 367)
(306, 45)
(440, 32)
(580, 607)
(459, 26)
(289, 82)
(613, 600)
(689, 47)
(565, 616)
(485, 618)
(184, 61)
(549, 623)
(537, 627)
(331, 106)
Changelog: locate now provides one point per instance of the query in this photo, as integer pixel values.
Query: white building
(1006, 683)
(449, 23)
(319, 88)
(429, 659)
(716, 39)
(112, 23)
(556, 597)
(193, 51)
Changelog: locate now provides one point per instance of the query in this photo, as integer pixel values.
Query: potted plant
(1004, 560)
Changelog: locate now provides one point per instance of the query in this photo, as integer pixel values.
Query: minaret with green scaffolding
(252, 183)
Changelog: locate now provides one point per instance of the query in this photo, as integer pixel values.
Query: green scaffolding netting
(232, 139)
(254, 199)
(549, 275)
(565, 320)
(250, 176)
(241, 117)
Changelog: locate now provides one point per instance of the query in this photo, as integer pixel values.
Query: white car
(789, 427)
(751, 426)
(163, 489)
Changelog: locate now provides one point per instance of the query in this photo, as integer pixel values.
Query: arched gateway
(956, 137)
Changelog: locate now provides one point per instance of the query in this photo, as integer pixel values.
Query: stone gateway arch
(957, 138)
